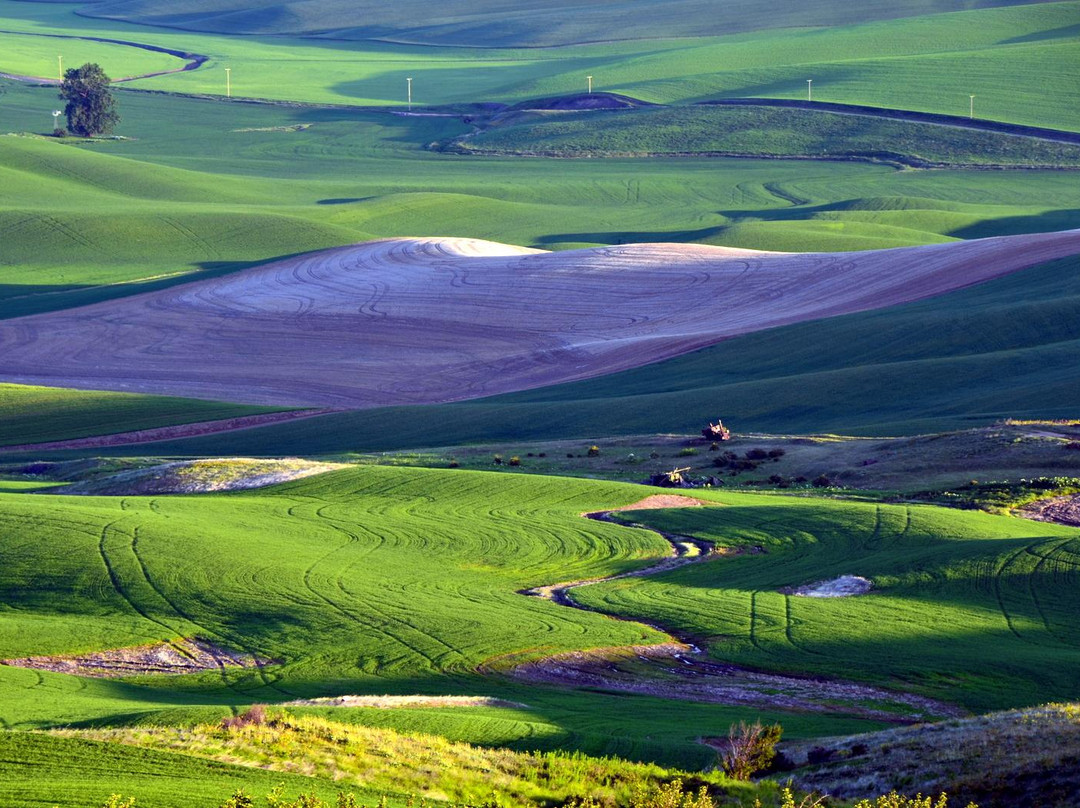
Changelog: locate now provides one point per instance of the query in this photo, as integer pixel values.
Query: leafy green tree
(91, 109)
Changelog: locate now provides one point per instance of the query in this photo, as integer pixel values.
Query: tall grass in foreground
(382, 760)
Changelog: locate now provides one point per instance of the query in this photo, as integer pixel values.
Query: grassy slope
(39, 414)
(403, 580)
(1003, 349)
(762, 131)
(973, 608)
(1016, 60)
(532, 23)
(362, 581)
(74, 773)
(428, 766)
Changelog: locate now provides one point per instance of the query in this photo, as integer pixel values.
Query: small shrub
(859, 749)
(714, 447)
(776, 453)
(594, 451)
(756, 454)
(497, 460)
(529, 454)
(454, 464)
(515, 461)
(542, 454)
(253, 716)
(821, 481)
(749, 748)
(894, 800)
(569, 454)
(239, 799)
(689, 451)
(654, 455)
(59, 132)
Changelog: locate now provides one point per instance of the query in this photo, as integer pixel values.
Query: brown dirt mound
(414, 321)
(1060, 510)
(657, 501)
(184, 656)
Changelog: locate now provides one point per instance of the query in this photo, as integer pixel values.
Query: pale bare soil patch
(843, 587)
(182, 656)
(199, 477)
(411, 321)
(392, 702)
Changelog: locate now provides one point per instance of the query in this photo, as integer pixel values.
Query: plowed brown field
(427, 320)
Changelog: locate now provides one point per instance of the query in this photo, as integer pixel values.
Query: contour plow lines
(307, 332)
(363, 608)
(677, 670)
(132, 580)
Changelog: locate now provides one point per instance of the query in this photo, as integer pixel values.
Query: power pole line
(971, 106)
(590, 84)
(228, 82)
(809, 89)
(408, 81)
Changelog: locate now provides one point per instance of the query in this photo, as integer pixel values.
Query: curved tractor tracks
(681, 670)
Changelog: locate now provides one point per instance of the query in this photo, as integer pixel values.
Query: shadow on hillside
(1050, 221)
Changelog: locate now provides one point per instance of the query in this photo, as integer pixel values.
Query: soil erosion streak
(679, 670)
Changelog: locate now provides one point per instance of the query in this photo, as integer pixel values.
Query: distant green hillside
(38, 414)
(1017, 60)
(760, 130)
(528, 23)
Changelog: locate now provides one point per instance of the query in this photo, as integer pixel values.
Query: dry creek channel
(682, 670)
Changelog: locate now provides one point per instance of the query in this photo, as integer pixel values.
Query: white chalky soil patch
(842, 587)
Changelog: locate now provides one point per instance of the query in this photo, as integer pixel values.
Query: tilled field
(412, 321)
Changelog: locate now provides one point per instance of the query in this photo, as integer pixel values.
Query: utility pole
(971, 106)
(809, 89)
(590, 84)
(228, 82)
(60, 60)
(409, 83)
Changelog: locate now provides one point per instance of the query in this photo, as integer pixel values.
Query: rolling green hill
(1016, 60)
(760, 131)
(382, 580)
(483, 24)
(40, 414)
(360, 581)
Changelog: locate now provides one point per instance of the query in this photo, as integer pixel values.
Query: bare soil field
(412, 321)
